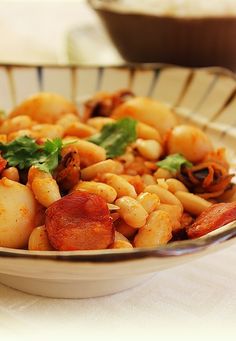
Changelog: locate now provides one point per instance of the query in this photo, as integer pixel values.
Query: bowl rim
(179, 248)
(174, 249)
(155, 66)
(100, 5)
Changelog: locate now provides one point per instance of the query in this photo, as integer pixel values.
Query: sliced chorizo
(212, 218)
(3, 163)
(79, 221)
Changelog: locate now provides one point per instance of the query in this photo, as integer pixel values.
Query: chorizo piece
(79, 221)
(3, 163)
(212, 218)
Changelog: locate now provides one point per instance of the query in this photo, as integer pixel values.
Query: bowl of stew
(110, 174)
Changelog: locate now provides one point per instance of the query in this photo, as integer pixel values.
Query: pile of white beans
(146, 206)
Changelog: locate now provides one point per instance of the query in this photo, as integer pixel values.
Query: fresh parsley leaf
(25, 152)
(21, 152)
(115, 137)
(174, 162)
(49, 161)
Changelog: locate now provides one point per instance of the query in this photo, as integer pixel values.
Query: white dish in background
(205, 97)
(178, 8)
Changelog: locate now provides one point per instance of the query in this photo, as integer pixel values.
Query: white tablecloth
(187, 302)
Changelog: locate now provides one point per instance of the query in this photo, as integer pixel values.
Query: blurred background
(184, 32)
(53, 32)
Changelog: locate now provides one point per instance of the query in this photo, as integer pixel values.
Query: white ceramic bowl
(205, 97)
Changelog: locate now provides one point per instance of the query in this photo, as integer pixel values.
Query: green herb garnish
(52, 154)
(174, 162)
(115, 137)
(24, 152)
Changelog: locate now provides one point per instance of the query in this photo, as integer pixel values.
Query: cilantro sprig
(51, 155)
(24, 152)
(174, 162)
(115, 137)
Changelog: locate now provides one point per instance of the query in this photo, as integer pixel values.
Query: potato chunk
(17, 214)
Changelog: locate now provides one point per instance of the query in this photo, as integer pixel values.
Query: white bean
(16, 123)
(79, 129)
(175, 214)
(132, 211)
(99, 168)
(148, 180)
(66, 120)
(46, 191)
(121, 185)
(99, 121)
(162, 183)
(149, 149)
(44, 187)
(127, 158)
(162, 173)
(11, 173)
(175, 185)
(149, 201)
(146, 132)
(89, 152)
(157, 230)
(192, 203)
(49, 131)
(38, 240)
(107, 192)
(165, 196)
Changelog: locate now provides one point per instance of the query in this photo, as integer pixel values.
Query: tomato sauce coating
(212, 218)
(79, 221)
(3, 163)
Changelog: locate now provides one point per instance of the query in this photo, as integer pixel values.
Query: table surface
(189, 301)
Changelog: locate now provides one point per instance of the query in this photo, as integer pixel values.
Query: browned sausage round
(3, 163)
(212, 218)
(79, 221)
